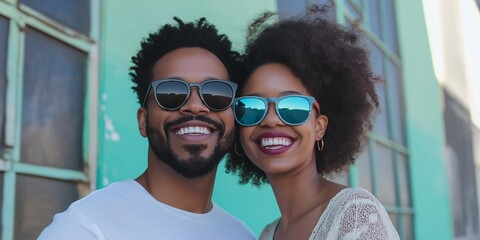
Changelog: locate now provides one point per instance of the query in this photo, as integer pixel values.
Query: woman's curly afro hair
(168, 38)
(333, 66)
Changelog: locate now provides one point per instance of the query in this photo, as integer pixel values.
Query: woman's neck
(302, 198)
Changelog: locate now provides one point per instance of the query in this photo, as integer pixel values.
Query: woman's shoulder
(355, 194)
(355, 212)
(354, 199)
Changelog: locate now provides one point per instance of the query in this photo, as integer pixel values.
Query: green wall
(122, 152)
(425, 129)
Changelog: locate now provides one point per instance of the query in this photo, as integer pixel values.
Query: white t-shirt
(125, 210)
(354, 213)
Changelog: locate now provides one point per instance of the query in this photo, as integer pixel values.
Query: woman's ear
(142, 118)
(320, 127)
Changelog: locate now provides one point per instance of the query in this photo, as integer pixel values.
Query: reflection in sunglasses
(172, 94)
(291, 109)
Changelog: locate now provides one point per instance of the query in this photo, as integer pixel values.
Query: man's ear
(320, 127)
(142, 118)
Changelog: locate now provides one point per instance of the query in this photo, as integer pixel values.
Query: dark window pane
(53, 103)
(404, 180)
(376, 61)
(408, 227)
(393, 218)
(461, 166)
(3, 78)
(72, 13)
(373, 17)
(394, 78)
(37, 200)
(364, 171)
(390, 26)
(385, 176)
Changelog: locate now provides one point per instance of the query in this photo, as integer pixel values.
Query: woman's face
(272, 145)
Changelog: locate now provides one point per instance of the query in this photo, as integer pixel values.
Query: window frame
(343, 17)
(19, 17)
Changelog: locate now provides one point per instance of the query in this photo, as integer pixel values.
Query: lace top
(354, 213)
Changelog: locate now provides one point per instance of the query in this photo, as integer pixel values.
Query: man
(181, 76)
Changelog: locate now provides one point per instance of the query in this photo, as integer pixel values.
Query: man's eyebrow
(214, 78)
(207, 78)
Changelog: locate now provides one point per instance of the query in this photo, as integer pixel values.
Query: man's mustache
(217, 125)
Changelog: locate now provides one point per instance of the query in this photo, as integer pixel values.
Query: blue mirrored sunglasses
(291, 109)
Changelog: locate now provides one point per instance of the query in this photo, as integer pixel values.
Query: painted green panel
(425, 130)
(122, 151)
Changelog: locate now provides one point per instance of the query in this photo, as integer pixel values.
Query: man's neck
(169, 187)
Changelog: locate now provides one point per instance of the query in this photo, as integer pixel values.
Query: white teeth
(193, 130)
(276, 142)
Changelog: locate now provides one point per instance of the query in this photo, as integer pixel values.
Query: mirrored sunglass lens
(294, 110)
(217, 95)
(249, 111)
(171, 95)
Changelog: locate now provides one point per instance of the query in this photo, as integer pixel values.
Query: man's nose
(194, 104)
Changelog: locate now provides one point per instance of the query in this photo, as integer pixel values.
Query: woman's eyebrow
(285, 93)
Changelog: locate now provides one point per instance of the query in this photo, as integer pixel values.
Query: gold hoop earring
(236, 150)
(320, 145)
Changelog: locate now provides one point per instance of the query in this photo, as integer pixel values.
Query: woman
(304, 111)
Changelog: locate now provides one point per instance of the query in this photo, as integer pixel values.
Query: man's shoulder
(86, 217)
(114, 193)
(232, 224)
(117, 198)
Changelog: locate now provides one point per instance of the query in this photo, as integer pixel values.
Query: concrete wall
(425, 126)
(454, 36)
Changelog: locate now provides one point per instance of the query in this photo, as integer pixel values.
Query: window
(3, 78)
(3, 85)
(383, 168)
(45, 100)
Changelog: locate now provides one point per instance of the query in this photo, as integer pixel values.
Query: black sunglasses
(172, 94)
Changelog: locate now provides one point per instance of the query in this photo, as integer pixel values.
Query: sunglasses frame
(311, 101)
(154, 84)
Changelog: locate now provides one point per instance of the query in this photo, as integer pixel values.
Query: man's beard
(196, 165)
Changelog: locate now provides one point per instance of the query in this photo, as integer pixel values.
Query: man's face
(193, 139)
